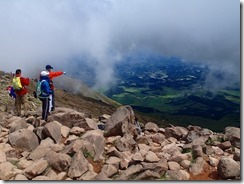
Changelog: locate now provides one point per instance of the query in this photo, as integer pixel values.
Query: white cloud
(36, 33)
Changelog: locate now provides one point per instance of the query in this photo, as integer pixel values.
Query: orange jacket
(53, 75)
(24, 82)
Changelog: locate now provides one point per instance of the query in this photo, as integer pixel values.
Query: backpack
(17, 84)
(38, 88)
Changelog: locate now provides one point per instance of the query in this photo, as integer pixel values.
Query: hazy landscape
(172, 91)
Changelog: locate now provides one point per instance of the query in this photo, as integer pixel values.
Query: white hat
(44, 73)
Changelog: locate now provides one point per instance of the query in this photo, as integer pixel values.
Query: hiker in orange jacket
(51, 76)
(21, 95)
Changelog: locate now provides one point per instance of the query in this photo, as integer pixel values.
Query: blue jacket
(45, 87)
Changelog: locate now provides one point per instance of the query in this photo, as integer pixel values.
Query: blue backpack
(38, 88)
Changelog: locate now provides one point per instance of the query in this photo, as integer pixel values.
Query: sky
(36, 33)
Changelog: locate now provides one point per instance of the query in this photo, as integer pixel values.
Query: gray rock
(36, 168)
(197, 167)
(176, 132)
(23, 140)
(151, 127)
(228, 168)
(130, 172)
(59, 161)
(79, 165)
(97, 140)
(87, 124)
(52, 130)
(147, 175)
(121, 122)
(109, 170)
(233, 135)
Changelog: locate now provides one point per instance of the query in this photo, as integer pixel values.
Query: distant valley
(172, 91)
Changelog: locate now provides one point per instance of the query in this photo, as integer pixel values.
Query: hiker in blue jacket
(45, 94)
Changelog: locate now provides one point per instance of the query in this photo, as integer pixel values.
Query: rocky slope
(102, 143)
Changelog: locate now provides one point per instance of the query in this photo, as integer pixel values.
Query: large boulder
(68, 118)
(23, 140)
(79, 165)
(228, 168)
(121, 122)
(232, 134)
(52, 130)
(176, 132)
(97, 140)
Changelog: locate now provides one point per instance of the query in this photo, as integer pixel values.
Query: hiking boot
(52, 109)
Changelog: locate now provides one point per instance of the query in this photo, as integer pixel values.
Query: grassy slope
(170, 102)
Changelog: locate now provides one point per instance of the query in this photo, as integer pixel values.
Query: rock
(96, 138)
(176, 132)
(7, 171)
(213, 161)
(65, 131)
(79, 165)
(121, 122)
(125, 144)
(87, 124)
(228, 168)
(151, 157)
(3, 157)
(20, 177)
(36, 168)
(197, 167)
(224, 145)
(89, 175)
(23, 140)
(59, 161)
(109, 170)
(178, 175)
(137, 157)
(23, 163)
(237, 156)
(174, 166)
(51, 174)
(192, 135)
(130, 172)
(21, 124)
(147, 175)
(52, 130)
(39, 152)
(158, 167)
(232, 134)
(77, 131)
(115, 161)
(102, 176)
(151, 127)
(68, 117)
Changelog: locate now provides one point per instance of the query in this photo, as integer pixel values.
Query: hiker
(45, 94)
(19, 86)
(51, 76)
(11, 92)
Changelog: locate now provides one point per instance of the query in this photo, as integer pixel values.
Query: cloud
(36, 33)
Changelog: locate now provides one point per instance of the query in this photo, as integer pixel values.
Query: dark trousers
(53, 101)
(45, 108)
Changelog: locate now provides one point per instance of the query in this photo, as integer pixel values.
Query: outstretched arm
(55, 74)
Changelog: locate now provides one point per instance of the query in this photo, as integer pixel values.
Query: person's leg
(53, 102)
(18, 105)
(43, 107)
(46, 108)
(50, 103)
(24, 102)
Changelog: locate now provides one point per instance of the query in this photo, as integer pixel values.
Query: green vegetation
(201, 108)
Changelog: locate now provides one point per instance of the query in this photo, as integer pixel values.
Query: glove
(64, 73)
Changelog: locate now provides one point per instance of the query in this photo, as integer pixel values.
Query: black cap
(49, 67)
